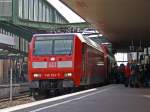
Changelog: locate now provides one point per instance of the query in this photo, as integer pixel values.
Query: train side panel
(93, 66)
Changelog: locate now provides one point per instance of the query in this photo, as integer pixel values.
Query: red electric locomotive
(58, 61)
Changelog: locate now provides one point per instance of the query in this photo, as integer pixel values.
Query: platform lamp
(131, 51)
(140, 54)
(132, 47)
(140, 47)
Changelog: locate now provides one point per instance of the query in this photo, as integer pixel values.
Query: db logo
(52, 65)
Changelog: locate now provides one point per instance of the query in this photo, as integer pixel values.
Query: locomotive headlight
(68, 74)
(37, 75)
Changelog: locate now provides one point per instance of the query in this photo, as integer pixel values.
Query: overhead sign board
(7, 40)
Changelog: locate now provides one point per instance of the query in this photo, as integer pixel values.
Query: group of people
(133, 74)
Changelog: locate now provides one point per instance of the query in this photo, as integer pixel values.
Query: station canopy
(121, 21)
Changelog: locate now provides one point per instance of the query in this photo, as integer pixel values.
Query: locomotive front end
(51, 64)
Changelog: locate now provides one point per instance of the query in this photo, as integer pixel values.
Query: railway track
(17, 100)
(14, 97)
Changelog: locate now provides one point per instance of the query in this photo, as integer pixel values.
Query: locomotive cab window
(54, 45)
(63, 47)
(43, 47)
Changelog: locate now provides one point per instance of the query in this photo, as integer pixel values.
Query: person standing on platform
(114, 73)
(134, 74)
(147, 75)
(121, 73)
(127, 74)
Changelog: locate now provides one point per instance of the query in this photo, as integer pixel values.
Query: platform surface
(111, 98)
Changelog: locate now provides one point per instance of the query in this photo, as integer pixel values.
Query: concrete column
(1, 71)
(6, 69)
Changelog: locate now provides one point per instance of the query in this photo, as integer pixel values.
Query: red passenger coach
(58, 61)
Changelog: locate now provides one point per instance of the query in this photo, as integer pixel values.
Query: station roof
(121, 21)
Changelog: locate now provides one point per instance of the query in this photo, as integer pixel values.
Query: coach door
(84, 65)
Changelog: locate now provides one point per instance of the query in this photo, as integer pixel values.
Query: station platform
(111, 98)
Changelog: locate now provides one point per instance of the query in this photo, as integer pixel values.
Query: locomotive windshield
(53, 46)
(62, 46)
(43, 47)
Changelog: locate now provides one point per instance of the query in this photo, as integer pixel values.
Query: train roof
(80, 36)
(89, 42)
